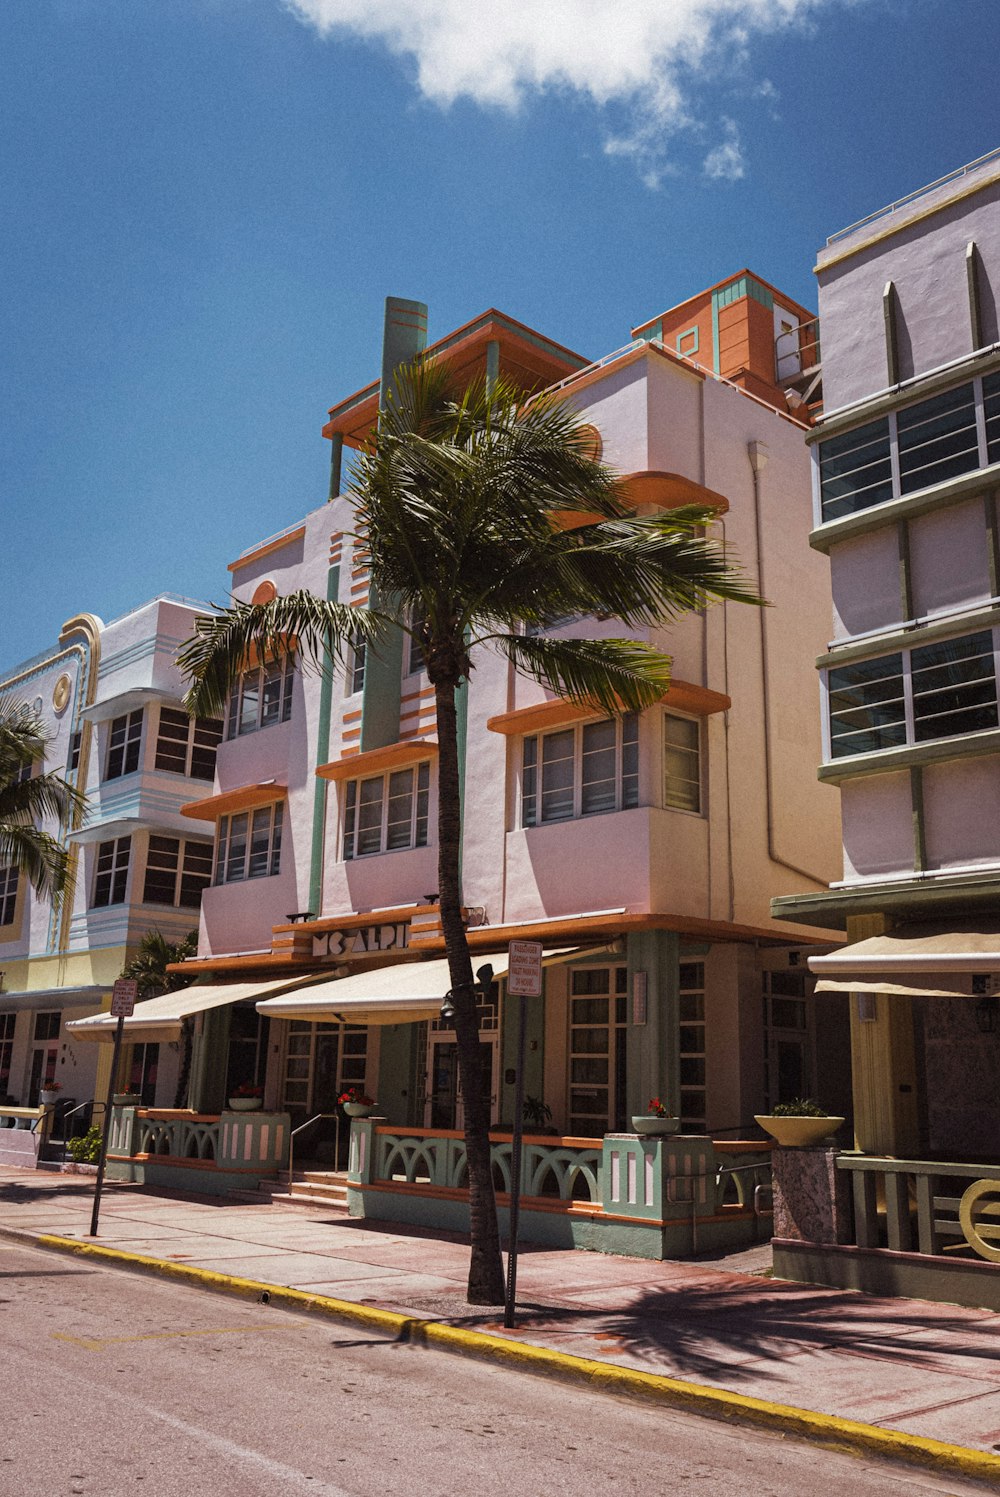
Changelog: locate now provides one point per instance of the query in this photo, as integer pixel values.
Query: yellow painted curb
(848, 1435)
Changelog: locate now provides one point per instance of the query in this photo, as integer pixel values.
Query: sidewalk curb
(847, 1435)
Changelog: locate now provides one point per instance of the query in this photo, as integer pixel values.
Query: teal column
(380, 695)
(534, 1055)
(336, 460)
(209, 1058)
(400, 1057)
(404, 335)
(653, 1065)
(492, 363)
(322, 787)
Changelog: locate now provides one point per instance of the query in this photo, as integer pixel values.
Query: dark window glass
(249, 846)
(358, 668)
(206, 738)
(954, 687)
(196, 873)
(866, 706)
(160, 885)
(112, 872)
(855, 471)
(529, 781)
(991, 412)
(8, 894)
(124, 744)
(75, 744)
(172, 741)
(937, 439)
(558, 751)
(47, 1026)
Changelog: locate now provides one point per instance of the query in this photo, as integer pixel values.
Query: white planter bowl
(651, 1126)
(359, 1109)
(245, 1104)
(798, 1132)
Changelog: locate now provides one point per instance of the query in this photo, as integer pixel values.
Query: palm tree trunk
(486, 1284)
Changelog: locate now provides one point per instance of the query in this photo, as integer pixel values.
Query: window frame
(211, 730)
(224, 870)
(699, 754)
(418, 819)
(912, 718)
(116, 871)
(985, 406)
(129, 748)
(625, 778)
(182, 871)
(10, 878)
(239, 721)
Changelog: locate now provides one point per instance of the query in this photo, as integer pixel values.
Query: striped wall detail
(417, 713)
(336, 548)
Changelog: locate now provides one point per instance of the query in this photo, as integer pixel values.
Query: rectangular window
(935, 691)
(186, 745)
(356, 672)
(598, 1021)
(177, 872)
(75, 745)
(937, 439)
(954, 687)
(414, 649)
(855, 471)
(933, 441)
(248, 846)
(261, 698)
(112, 872)
(581, 771)
(124, 744)
(867, 710)
(8, 894)
(691, 1046)
(47, 1026)
(387, 812)
(681, 763)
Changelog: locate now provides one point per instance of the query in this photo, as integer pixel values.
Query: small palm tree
(150, 969)
(482, 513)
(27, 799)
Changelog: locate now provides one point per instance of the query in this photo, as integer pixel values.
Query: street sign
(123, 996)
(524, 969)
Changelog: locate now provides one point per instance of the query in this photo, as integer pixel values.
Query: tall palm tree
(27, 799)
(485, 518)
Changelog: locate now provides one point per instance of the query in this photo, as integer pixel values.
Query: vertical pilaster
(883, 1063)
(321, 790)
(653, 1065)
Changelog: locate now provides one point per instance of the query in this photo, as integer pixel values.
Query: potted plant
(536, 1114)
(131, 1097)
(798, 1123)
(657, 1120)
(49, 1093)
(247, 1098)
(357, 1103)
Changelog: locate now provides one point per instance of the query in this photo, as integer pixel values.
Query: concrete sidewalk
(924, 1369)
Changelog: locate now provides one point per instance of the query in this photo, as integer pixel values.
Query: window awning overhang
(129, 701)
(931, 961)
(244, 798)
(160, 1019)
(402, 994)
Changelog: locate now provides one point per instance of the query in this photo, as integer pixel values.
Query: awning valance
(934, 961)
(52, 998)
(402, 994)
(159, 1019)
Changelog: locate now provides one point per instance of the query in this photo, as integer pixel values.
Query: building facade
(906, 473)
(643, 852)
(110, 698)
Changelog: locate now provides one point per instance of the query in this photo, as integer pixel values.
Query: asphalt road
(112, 1385)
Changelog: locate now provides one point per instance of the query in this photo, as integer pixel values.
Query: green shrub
(799, 1107)
(86, 1150)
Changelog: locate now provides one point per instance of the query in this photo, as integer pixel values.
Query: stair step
(327, 1202)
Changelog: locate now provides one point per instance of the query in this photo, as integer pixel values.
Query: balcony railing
(920, 1206)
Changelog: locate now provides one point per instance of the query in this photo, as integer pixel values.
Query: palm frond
(44, 795)
(615, 675)
(43, 861)
(224, 642)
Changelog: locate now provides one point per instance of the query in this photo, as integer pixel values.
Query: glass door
(321, 1061)
(443, 1104)
(44, 1055)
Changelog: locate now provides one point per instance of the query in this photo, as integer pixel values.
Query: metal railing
(911, 197)
(71, 1112)
(301, 1128)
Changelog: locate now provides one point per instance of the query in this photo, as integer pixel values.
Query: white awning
(401, 994)
(160, 1019)
(930, 961)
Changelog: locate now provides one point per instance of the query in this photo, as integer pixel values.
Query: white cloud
(643, 54)
(724, 162)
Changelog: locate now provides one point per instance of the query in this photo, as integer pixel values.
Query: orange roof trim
(349, 767)
(557, 711)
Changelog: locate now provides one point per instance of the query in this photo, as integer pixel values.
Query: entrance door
(443, 1104)
(44, 1055)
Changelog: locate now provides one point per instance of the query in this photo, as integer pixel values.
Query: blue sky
(206, 202)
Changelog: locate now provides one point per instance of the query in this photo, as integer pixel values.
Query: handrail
(308, 1124)
(93, 1102)
(959, 171)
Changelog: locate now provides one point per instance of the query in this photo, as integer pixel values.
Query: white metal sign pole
(524, 980)
(123, 996)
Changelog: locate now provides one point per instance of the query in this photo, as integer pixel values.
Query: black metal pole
(119, 1031)
(515, 1169)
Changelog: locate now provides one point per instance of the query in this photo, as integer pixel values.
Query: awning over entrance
(402, 994)
(925, 960)
(52, 998)
(160, 1019)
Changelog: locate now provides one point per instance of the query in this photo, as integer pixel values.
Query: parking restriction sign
(524, 969)
(123, 996)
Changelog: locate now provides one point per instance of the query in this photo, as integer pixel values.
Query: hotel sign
(335, 945)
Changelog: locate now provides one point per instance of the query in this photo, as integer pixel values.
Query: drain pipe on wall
(758, 456)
